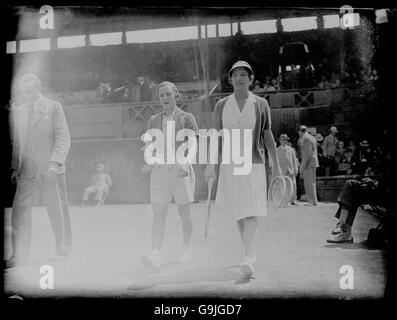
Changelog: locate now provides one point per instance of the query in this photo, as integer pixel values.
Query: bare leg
(240, 227)
(186, 219)
(249, 232)
(158, 227)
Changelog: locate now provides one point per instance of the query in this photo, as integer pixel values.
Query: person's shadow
(190, 276)
(357, 245)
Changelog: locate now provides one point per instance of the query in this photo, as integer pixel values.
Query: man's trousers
(54, 194)
(309, 180)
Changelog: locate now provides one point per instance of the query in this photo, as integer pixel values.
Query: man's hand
(53, 169)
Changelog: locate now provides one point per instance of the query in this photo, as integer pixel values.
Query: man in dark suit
(41, 143)
(309, 164)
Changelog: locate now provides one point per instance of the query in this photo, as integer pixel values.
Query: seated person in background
(373, 189)
(257, 87)
(268, 86)
(365, 151)
(354, 194)
(100, 184)
(276, 84)
(347, 164)
(323, 83)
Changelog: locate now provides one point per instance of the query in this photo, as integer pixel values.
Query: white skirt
(242, 196)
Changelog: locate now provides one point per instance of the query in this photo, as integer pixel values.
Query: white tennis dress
(241, 196)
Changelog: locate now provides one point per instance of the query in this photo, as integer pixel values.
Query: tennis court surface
(293, 258)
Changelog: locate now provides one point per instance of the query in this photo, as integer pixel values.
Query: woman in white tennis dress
(243, 196)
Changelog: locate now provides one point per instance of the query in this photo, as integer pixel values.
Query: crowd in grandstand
(345, 157)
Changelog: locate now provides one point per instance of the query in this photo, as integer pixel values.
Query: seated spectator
(374, 75)
(354, 194)
(103, 93)
(100, 185)
(351, 146)
(365, 151)
(339, 152)
(276, 84)
(123, 93)
(335, 82)
(347, 164)
(323, 83)
(257, 87)
(267, 86)
(377, 189)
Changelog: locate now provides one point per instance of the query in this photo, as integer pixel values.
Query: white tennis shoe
(152, 261)
(247, 266)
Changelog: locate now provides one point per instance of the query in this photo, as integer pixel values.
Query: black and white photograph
(225, 153)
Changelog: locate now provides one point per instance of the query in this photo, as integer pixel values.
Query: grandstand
(192, 47)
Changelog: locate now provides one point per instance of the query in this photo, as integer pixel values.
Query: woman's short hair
(171, 84)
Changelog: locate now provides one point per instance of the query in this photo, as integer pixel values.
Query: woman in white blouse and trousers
(243, 196)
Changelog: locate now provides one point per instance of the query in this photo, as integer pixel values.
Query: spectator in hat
(288, 162)
(100, 184)
(377, 190)
(365, 158)
(329, 150)
(309, 165)
(364, 151)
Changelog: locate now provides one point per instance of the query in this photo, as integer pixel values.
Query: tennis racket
(207, 219)
(276, 193)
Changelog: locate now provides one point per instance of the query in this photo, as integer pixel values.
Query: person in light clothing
(309, 165)
(100, 185)
(243, 197)
(288, 162)
(170, 180)
(41, 144)
(329, 150)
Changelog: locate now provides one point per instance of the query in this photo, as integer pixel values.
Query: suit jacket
(309, 152)
(182, 120)
(39, 137)
(288, 161)
(329, 145)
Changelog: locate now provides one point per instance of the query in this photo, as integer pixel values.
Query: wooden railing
(129, 120)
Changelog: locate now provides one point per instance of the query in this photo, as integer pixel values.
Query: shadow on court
(191, 276)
